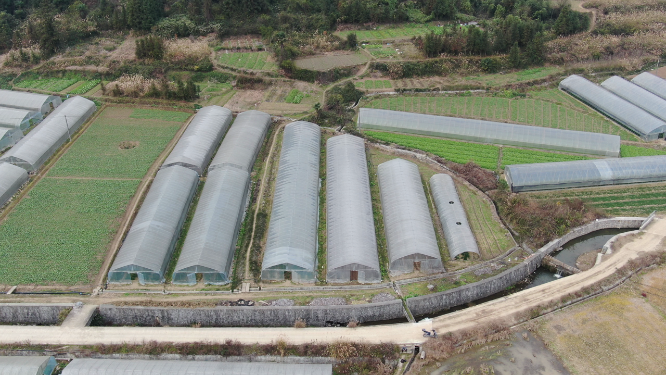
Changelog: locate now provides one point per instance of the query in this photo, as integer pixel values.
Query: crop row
(85, 87)
(295, 96)
(591, 193)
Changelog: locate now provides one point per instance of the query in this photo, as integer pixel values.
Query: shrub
(151, 47)
(300, 323)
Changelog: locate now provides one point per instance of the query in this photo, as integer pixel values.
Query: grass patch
(162, 115)
(382, 32)
(247, 60)
(322, 238)
(631, 151)
(48, 84)
(382, 247)
(519, 156)
(294, 97)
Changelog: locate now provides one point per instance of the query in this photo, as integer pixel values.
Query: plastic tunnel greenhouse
(490, 132)
(211, 240)
(635, 118)
(43, 141)
(155, 230)
(26, 100)
(11, 180)
(637, 96)
(93, 366)
(352, 245)
(581, 173)
(652, 83)
(292, 232)
(197, 145)
(458, 234)
(27, 365)
(9, 137)
(18, 118)
(410, 234)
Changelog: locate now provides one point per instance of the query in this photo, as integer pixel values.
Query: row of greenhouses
(21, 110)
(637, 105)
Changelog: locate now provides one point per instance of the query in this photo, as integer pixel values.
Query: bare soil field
(245, 100)
(330, 61)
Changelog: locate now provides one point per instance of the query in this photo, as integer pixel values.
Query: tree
(444, 9)
(352, 41)
(536, 50)
(48, 40)
(433, 44)
(515, 58)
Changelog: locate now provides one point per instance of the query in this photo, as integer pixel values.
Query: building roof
(243, 141)
(458, 234)
(11, 179)
(637, 96)
(195, 148)
(613, 106)
(580, 173)
(292, 232)
(490, 132)
(87, 366)
(407, 221)
(652, 83)
(28, 100)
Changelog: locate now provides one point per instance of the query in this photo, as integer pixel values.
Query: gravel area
(281, 302)
(383, 297)
(328, 301)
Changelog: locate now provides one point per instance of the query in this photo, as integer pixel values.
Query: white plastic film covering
(195, 148)
(352, 245)
(490, 132)
(458, 234)
(151, 239)
(26, 100)
(43, 141)
(211, 239)
(18, 118)
(243, 141)
(9, 137)
(652, 83)
(636, 95)
(89, 366)
(11, 179)
(27, 365)
(292, 232)
(635, 118)
(410, 233)
(581, 173)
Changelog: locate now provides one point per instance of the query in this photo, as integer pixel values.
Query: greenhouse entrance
(417, 266)
(353, 275)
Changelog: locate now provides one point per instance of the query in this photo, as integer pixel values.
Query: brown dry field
(618, 333)
(330, 61)
(245, 100)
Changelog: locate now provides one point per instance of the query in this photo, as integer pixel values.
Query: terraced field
(48, 84)
(623, 200)
(371, 84)
(386, 32)
(551, 109)
(247, 60)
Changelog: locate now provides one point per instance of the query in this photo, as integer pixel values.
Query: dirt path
(269, 159)
(578, 6)
(133, 204)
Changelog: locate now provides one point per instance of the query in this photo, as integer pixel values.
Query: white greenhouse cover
(87, 366)
(243, 141)
(292, 232)
(613, 106)
(151, 239)
(195, 148)
(27, 365)
(636, 95)
(652, 83)
(458, 234)
(18, 118)
(9, 137)
(352, 245)
(26, 100)
(490, 132)
(580, 173)
(11, 179)
(43, 141)
(410, 233)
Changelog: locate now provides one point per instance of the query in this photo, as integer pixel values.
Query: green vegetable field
(247, 60)
(47, 84)
(512, 155)
(387, 32)
(157, 114)
(374, 84)
(553, 111)
(85, 87)
(629, 151)
(60, 232)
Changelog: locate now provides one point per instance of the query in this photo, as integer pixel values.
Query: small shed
(27, 365)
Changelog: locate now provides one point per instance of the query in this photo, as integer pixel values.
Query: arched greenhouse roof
(11, 179)
(652, 83)
(637, 96)
(18, 118)
(243, 141)
(9, 137)
(27, 100)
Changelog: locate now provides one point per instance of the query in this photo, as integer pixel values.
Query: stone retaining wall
(250, 316)
(437, 302)
(32, 313)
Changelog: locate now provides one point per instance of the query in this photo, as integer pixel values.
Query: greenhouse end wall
(11, 180)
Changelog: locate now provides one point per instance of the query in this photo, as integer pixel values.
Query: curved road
(506, 309)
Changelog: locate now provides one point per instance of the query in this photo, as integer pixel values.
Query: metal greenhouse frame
(94, 366)
(43, 141)
(352, 245)
(292, 232)
(581, 173)
(18, 118)
(652, 83)
(195, 148)
(637, 96)
(9, 137)
(410, 234)
(623, 112)
(27, 100)
(211, 241)
(490, 132)
(243, 141)
(150, 241)
(458, 234)
(11, 180)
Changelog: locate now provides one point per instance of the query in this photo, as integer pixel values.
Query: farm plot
(371, 84)
(47, 84)
(520, 156)
(59, 232)
(381, 51)
(327, 62)
(84, 87)
(247, 60)
(625, 200)
(630, 151)
(536, 112)
(387, 32)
